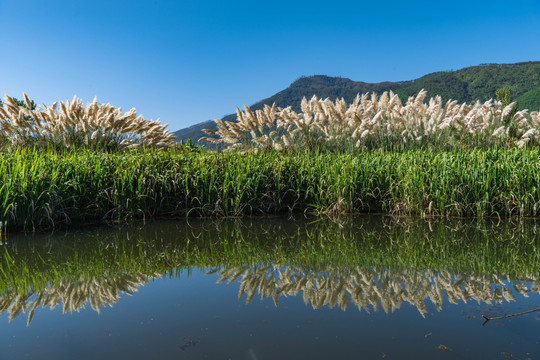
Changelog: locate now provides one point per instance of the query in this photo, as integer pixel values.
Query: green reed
(46, 188)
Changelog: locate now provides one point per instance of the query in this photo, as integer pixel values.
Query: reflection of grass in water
(369, 288)
(480, 247)
(397, 249)
(73, 294)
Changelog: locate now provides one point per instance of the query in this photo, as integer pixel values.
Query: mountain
(194, 132)
(464, 85)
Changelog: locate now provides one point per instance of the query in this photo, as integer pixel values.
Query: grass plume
(374, 122)
(71, 124)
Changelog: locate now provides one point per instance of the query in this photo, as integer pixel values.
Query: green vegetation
(479, 82)
(45, 188)
(370, 259)
(529, 100)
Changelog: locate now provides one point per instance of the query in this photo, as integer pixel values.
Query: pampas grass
(383, 121)
(70, 124)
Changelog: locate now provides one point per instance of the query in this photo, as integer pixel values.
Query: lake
(272, 288)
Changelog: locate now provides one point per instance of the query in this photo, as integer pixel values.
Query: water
(359, 288)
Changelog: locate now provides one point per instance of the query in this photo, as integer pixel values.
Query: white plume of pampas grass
(370, 119)
(72, 124)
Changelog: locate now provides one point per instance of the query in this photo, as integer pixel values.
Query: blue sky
(190, 61)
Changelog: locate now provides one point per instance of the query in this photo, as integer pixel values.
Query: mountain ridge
(464, 85)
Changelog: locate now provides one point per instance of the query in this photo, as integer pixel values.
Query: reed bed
(70, 124)
(375, 122)
(45, 188)
(370, 263)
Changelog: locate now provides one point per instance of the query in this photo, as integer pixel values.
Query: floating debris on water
(188, 342)
(443, 348)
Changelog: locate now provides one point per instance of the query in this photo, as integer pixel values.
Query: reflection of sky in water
(195, 318)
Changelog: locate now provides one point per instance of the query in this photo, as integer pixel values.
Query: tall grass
(375, 122)
(45, 188)
(70, 125)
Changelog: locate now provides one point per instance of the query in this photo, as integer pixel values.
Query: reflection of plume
(370, 288)
(73, 295)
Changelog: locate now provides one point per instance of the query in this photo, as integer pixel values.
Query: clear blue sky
(188, 61)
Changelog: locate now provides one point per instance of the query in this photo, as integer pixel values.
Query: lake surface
(346, 288)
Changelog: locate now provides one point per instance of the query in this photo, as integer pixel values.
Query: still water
(354, 288)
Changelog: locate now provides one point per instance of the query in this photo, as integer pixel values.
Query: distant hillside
(194, 132)
(465, 85)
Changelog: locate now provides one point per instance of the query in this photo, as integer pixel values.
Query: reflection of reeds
(448, 257)
(368, 288)
(73, 295)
